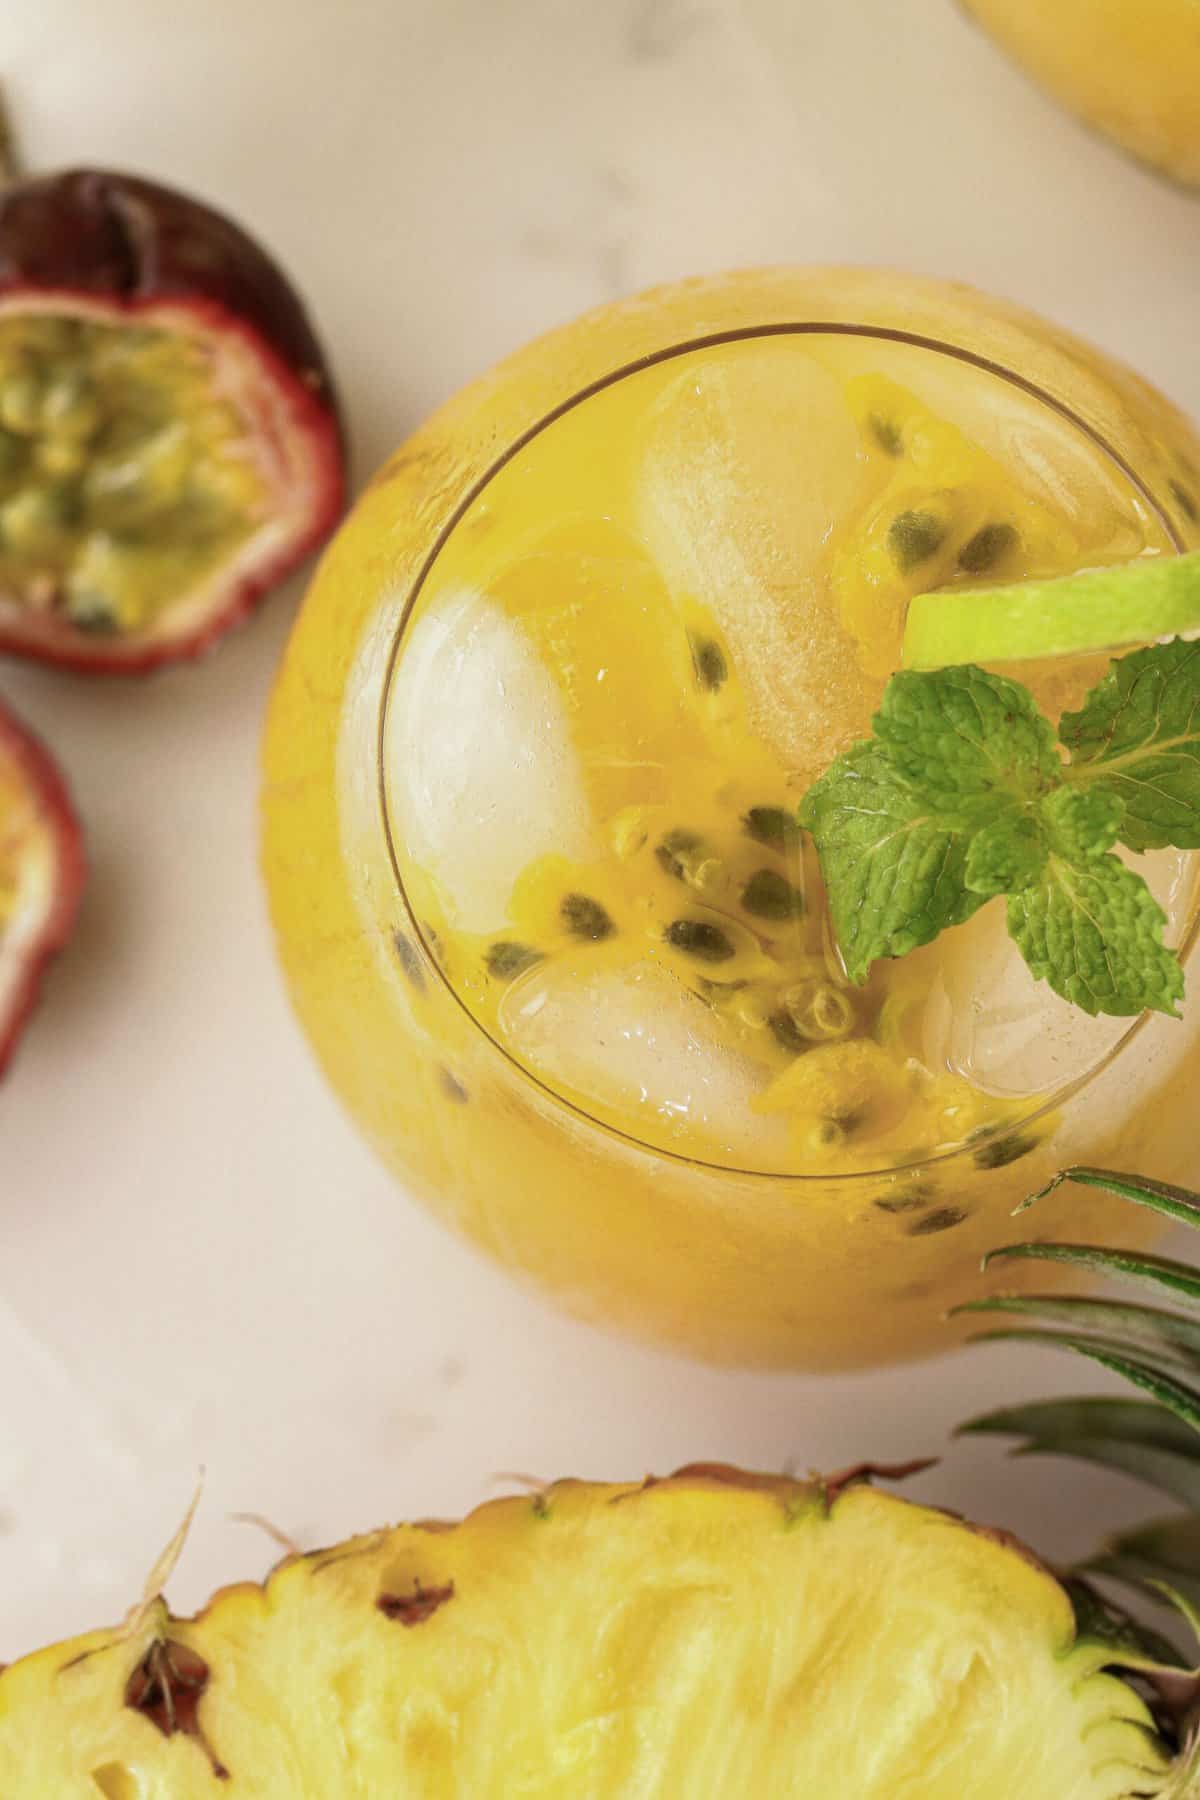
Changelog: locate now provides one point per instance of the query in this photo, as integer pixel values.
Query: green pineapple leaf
(1176, 1396)
(1179, 1279)
(1157, 1441)
(1133, 1644)
(1135, 1437)
(1148, 1329)
(1163, 1557)
(1176, 1203)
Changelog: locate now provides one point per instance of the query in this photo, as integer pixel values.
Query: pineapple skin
(712, 1634)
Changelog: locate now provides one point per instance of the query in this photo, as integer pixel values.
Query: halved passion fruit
(41, 873)
(170, 445)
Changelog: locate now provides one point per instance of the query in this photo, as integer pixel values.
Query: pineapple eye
(167, 1687)
(415, 1606)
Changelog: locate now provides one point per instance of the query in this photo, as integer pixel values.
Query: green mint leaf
(961, 734)
(1094, 931)
(1138, 735)
(894, 867)
(1009, 853)
(962, 795)
(1082, 822)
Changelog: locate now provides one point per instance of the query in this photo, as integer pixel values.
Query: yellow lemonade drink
(532, 780)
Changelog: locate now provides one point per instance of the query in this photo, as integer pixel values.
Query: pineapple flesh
(709, 1635)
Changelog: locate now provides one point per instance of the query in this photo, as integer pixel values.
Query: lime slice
(1099, 609)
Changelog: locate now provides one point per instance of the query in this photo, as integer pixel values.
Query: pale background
(199, 1262)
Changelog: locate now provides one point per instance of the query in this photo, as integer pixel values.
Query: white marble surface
(199, 1263)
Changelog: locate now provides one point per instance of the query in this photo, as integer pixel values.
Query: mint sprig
(963, 795)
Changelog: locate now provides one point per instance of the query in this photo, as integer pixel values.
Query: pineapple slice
(708, 1636)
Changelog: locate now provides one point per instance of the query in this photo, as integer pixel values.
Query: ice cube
(988, 1019)
(480, 772)
(645, 1053)
(750, 461)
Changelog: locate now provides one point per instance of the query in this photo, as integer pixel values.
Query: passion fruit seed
(586, 918)
(696, 937)
(943, 1218)
(102, 591)
(820, 1012)
(997, 1153)
(786, 1033)
(628, 832)
(984, 550)
(837, 1127)
(902, 1203)
(21, 405)
(887, 434)
(33, 521)
(132, 490)
(677, 851)
(71, 408)
(686, 857)
(773, 827)
(708, 659)
(92, 611)
(452, 1087)
(409, 960)
(59, 457)
(767, 895)
(713, 991)
(14, 454)
(506, 959)
(913, 537)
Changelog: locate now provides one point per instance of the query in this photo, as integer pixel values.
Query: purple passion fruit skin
(42, 873)
(144, 335)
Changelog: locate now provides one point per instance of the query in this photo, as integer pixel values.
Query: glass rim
(1011, 1127)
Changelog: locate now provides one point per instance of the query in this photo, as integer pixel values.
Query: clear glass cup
(530, 776)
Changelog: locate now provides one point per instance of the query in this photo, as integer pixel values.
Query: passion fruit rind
(113, 249)
(25, 955)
